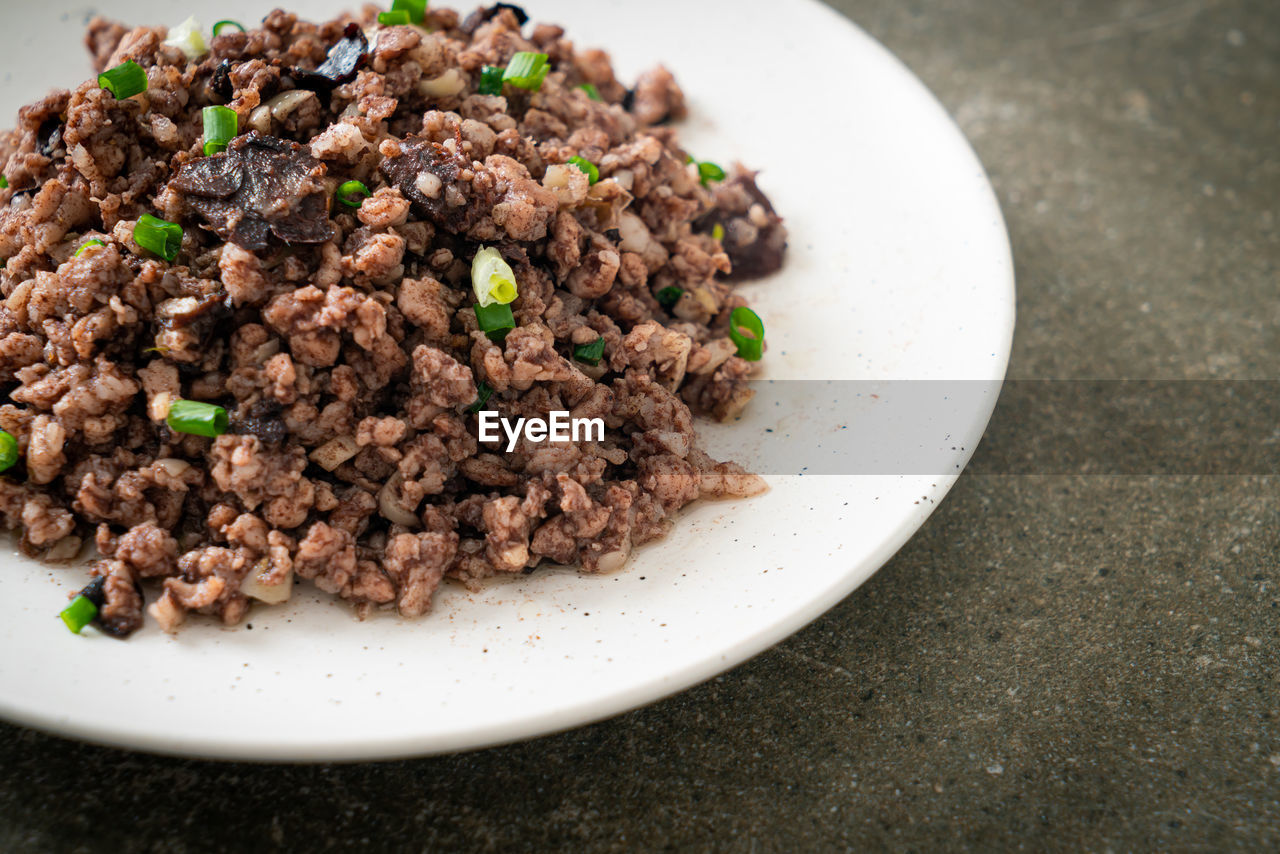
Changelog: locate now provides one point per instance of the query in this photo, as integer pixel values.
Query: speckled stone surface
(1066, 662)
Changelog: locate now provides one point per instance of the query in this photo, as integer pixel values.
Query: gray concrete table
(1056, 660)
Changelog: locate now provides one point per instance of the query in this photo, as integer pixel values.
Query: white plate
(899, 268)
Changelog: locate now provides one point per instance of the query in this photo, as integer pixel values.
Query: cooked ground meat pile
(342, 341)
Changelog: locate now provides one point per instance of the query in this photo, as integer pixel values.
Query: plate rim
(357, 747)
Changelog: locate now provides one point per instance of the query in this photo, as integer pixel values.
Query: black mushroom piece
(427, 175)
(220, 80)
(340, 65)
(185, 325)
(480, 16)
(755, 244)
(261, 419)
(258, 187)
(49, 136)
(118, 600)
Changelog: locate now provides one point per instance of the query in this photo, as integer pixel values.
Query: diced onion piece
(492, 278)
(260, 119)
(335, 452)
(445, 86)
(187, 38)
(286, 102)
(391, 507)
(256, 585)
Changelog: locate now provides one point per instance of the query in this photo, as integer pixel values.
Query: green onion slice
(527, 70)
(590, 353)
(482, 397)
(197, 418)
(125, 80)
(592, 92)
(8, 451)
(492, 278)
(80, 613)
(158, 236)
(747, 331)
(187, 38)
(669, 296)
(397, 17)
(717, 232)
(708, 171)
(4, 183)
(495, 320)
(89, 244)
(352, 193)
(490, 80)
(417, 9)
(220, 127)
(593, 174)
(220, 25)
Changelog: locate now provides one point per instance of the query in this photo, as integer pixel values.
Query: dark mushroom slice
(259, 187)
(765, 244)
(427, 174)
(482, 16)
(340, 65)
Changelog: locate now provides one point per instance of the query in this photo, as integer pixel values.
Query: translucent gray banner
(908, 427)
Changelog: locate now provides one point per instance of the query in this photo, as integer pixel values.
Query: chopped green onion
(708, 171)
(743, 320)
(495, 320)
(352, 193)
(717, 232)
(187, 38)
(125, 80)
(157, 235)
(218, 27)
(398, 17)
(527, 70)
(220, 127)
(4, 183)
(492, 278)
(593, 174)
(8, 451)
(482, 397)
(590, 353)
(490, 80)
(592, 92)
(89, 244)
(669, 296)
(197, 418)
(417, 9)
(80, 613)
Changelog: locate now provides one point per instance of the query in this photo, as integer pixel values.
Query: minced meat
(341, 338)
